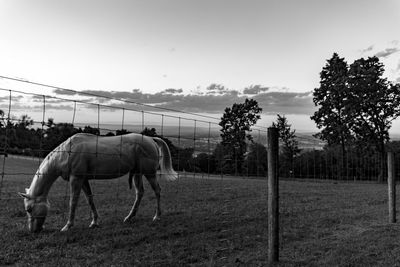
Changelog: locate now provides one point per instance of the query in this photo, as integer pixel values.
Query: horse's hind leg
(138, 182)
(89, 197)
(152, 178)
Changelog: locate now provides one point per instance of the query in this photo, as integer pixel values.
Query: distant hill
(308, 142)
(395, 137)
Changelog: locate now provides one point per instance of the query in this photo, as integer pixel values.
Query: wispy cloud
(387, 52)
(368, 49)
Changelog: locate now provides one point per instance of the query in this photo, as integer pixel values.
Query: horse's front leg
(75, 189)
(89, 197)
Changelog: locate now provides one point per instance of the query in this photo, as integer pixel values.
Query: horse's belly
(105, 167)
(109, 170)
(105, 176)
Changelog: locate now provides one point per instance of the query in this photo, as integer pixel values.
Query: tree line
(21, 137)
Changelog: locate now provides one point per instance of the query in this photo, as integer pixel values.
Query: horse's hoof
(66, 228)
(127, 219)
(156, 218)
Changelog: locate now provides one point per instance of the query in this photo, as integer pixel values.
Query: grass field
(205, 222)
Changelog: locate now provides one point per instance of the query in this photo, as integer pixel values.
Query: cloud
(60, 107)
(387, 52)
(215, 100)
(6, 99)
(64, 92)
(216, 89)
(286, 102)
(255, 89)
(172, 91)
(369, 48)
(271, 102)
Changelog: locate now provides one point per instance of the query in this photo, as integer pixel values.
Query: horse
(84, 157)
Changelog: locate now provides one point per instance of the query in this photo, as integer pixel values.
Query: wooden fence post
(391, 187)
(273, 195)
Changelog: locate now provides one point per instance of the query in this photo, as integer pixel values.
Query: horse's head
(36, 209)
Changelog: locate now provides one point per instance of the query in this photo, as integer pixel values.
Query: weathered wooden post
(273, 195)
(391, 187)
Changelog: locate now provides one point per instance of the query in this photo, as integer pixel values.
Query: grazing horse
(84, 157)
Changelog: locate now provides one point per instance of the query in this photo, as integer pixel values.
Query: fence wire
(208, 193)
(197, 156)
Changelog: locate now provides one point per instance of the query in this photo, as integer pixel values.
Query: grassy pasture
(205, 222)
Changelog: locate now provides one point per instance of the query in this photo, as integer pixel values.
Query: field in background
(205, 222)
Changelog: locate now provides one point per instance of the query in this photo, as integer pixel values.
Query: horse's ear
(24, 195)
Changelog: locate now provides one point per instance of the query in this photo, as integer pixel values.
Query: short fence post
(273, 195)
(391, 187)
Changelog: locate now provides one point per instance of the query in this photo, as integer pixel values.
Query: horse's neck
(43, 179)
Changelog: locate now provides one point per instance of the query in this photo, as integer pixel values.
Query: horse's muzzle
(35, 225)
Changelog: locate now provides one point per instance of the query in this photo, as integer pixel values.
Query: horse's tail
(167, 172)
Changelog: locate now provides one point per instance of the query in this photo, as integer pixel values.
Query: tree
(121, 132)
(153, 133)
(290, 147)
(56, 133)
(176, 152)
(219, 155)
(205, 163)
(184, 159)
(2, 122)
(236, 123)
(24, 137)
(373, 103)
(91, 130)
(256, 160)
(356, 105)
(331, 116)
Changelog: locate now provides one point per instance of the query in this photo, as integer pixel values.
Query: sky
(186, 55)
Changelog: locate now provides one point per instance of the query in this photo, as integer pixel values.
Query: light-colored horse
(84, 157)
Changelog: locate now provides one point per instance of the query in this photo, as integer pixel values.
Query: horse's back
(106, 157)
(90, 142)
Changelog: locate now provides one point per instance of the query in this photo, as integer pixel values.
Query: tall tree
(330, 98)
(2, 122)
(256, 160)
(290, 145)
(373, 103)
(236, 123)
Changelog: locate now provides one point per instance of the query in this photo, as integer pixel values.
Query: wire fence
(331, 164)
(206, 171)
(216, 205)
